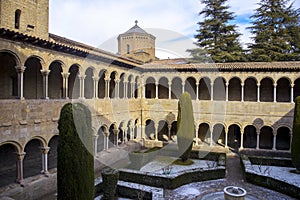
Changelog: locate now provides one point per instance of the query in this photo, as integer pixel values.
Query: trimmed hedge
(295, 148)
(280, 162)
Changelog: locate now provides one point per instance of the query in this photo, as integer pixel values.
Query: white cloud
(95, 21)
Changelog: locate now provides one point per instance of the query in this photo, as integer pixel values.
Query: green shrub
(185, 126)
(110, 179)
(295, 149)
(75, 162)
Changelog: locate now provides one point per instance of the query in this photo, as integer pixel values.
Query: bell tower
(29, 17)
(136, 43)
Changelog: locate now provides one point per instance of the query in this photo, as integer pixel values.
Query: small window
(17, 18)
(128, 49)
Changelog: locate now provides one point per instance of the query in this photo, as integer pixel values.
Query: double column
(20, 71)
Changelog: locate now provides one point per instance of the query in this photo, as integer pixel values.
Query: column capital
(45, 150)
(82, 77)
(20, 156)
(107, 79)
(95, 78)
(65, 74)
(45, 72)
(20, 68)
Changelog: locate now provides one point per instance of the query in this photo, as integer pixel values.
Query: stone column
(45, 151)
(132, 92)
(242, 92)
(45, 74)
(211, 137)
(81, 86)
(131, 132)
(275, 85)
(226, 137)
(156, 131)
(20, 70)
(292, 93)
(242, 140)
(95, 93)
(117, 88)
(197, 134)
(65, 77)
(156, 90)
(183, 84)
(274, 140)
(169, 131)
(106, 139)
(197, 91)
(212, 92)
(95, 141)
(20, 158)
(116, 134)
(125, 89)
(257, 139)
(107, 80)
(124, 129)
(226, 91)
(258, 92)
(170, 89)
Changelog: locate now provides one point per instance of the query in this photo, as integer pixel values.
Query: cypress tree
(295, 148)
(75, 162)
(185, 126)
(276, 32)
(216, 37)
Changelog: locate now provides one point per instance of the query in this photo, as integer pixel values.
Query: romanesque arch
(33, 158)
(89, 83)
(122, 86)
(33, 80)
(266, 138)
(176, 88)
(112, 85)
(219, 91)
(218, 135)
(283, 138)
(130, 86)
(283, 90)
(101, 84)
(250, 89)
(55, 80)
(73, 82)
(234, 89)
(163, 88)
(8, 76)
(101, 135)
(204, 132)
(250, 136)
(150, 88)
(234, 136)
(266, 90)
(150, 129)
(52, 154)
(8, 167)
(204, 89)
(190, 87)
(162, 130)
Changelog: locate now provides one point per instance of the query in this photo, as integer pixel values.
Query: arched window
(17, 18)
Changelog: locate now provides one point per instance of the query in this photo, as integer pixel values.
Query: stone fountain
(234, 193)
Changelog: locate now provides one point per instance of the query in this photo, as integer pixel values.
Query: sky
(172, 22)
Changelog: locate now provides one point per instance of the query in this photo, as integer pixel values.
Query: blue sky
(98, 22)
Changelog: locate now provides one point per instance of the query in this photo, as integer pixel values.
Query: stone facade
(236, 105)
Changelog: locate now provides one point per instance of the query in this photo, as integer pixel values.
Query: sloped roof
(136, 29)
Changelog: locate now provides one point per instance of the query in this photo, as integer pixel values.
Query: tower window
(17, 18)
(128, 49)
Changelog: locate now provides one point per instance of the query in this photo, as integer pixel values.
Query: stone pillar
(156, 90)
(226, 137)
(212, 92)
(20, 158)
(81, 86)
(95, 141)
(116, 134)
(125, 89)
(117, 88)
(65, 77)
(242, 140)
(258, 92)
(197, 134)
(95, 93)
(226, 91)
(131, 132)
(170, 89)
(274, 140)
(169, 131)
(257, 139)
(106, 139)
(183, 84)
(133, 88)
(106, 90)
(211, 137)
(197, 91)
(45, 74)
(124, 129)
(275, 85)
(292, 93)
(45, 151)
(20, 70)
(242, 92)
(156, 131)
